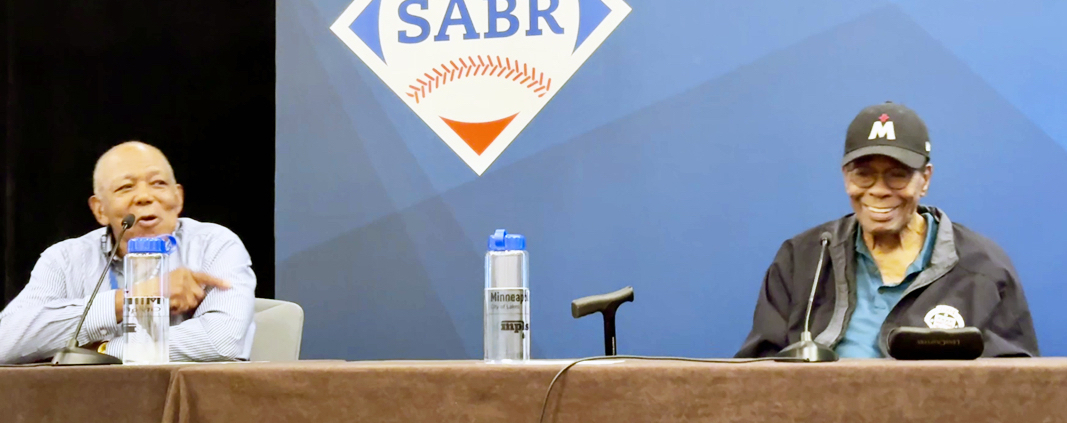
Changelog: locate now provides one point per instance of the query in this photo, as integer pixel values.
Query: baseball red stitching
(480, 66)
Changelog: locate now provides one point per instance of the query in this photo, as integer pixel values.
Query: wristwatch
(102, 349)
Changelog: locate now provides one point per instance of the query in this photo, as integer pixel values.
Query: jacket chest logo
(944, 317)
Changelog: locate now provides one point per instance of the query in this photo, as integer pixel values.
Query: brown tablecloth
(999, 390)
(1004, 390)
(113, 394)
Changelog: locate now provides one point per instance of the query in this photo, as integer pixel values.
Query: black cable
(544, 404)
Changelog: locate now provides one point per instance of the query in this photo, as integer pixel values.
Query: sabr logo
(477, 71)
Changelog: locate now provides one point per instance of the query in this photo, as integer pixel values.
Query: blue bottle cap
(514, 242)
(501, 240)
(149, 245)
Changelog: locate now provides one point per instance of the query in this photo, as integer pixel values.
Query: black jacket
(967, 271)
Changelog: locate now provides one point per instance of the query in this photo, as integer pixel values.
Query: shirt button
(103, 331)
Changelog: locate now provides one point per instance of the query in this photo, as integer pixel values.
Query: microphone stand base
(809, 351)
(72, 356)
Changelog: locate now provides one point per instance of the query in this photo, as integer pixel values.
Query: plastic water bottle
(507, 299)
(146, 312)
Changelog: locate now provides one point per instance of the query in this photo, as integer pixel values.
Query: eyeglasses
(895, 178)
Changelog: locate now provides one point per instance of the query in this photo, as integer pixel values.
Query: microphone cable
(548, 393)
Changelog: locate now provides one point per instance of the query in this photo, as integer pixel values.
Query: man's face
(884, 192)
(137, 180)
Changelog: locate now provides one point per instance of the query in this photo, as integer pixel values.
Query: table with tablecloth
(1001, 390)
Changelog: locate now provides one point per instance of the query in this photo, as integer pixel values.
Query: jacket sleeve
(770, 321)
(40, 320)
(1010, 329)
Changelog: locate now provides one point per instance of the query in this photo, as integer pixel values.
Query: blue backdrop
(698, 137)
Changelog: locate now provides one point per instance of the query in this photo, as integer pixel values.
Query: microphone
(71, 355)
(806, 349)
(606, 304)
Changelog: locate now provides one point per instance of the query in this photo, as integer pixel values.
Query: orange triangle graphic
(478, 135)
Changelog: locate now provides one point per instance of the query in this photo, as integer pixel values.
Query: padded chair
(279, 326)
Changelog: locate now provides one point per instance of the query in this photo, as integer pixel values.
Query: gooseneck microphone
(824, 241)
(71, 355)
(807, 349)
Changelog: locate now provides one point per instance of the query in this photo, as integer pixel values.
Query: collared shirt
(874, 299)
(40, 320)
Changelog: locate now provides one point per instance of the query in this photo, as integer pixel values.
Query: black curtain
(193, 77)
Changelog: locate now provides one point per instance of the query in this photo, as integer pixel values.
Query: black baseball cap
(888, 129)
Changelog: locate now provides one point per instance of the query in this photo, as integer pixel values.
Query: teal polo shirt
(874, 299)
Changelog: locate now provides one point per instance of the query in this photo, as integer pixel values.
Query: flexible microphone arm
(807, 349)
(824, 241)
(606, 304)
(72, 355)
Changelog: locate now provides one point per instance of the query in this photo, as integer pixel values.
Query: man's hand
(186, 290)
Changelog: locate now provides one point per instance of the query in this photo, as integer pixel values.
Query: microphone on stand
(807, 349)
(71, 355)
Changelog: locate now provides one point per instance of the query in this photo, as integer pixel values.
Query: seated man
(212, 288)
(892, 262)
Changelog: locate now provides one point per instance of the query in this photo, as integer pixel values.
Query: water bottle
(146, 311)
(507, 299)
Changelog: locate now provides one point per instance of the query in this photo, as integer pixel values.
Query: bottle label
(507, 324)
(146, 323)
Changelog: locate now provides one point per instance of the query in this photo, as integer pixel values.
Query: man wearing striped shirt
(212, 286)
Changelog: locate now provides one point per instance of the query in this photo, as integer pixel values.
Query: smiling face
(135, 178)
(885, 193)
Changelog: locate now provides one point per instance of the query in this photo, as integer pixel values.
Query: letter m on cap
(880, 130)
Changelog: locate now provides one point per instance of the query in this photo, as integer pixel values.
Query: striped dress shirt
(41, 319)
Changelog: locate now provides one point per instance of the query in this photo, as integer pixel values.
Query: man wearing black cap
(892, 262)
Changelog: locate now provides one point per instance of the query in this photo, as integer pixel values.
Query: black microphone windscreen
(128, 221)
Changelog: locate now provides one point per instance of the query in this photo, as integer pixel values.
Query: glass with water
(146, 312)
(507, 299)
